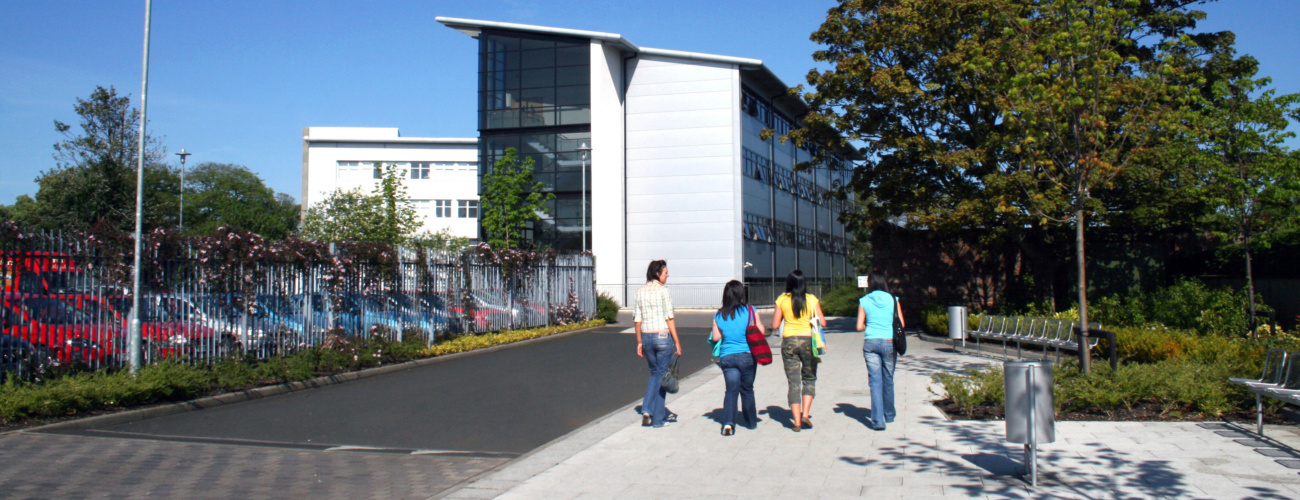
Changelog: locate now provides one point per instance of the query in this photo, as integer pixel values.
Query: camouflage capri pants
(800, 368)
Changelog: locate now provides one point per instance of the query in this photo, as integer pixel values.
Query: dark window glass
(573, 56)
(571, 141)
(568, 180)
(575, 116)
(544, 58)
(539, 143)
(537, 117)
(544, 96)
(543, 163)
(573, 75)
(530, 44)
(502, 119)
(534, 78)
(502, 42)
(573, 96)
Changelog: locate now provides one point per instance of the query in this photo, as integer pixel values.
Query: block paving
(921, 455)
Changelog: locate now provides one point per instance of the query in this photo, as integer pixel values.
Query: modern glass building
(678, 168)
(535, 96)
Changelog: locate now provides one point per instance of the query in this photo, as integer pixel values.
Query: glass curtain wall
(535, 96)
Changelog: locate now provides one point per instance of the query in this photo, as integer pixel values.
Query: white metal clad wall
(607, 172)
(683, 196)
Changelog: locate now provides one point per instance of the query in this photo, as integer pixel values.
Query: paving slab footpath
(921, 455)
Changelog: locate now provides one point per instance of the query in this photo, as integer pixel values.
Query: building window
(467, 209)
(756, 166)
(442, 208)
(419, 170)
(421, 206)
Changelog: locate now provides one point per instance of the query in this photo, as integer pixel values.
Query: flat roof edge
(452, 141)
(459, 23)
(697, 56)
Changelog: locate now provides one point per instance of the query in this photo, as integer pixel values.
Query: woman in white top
(656, 340)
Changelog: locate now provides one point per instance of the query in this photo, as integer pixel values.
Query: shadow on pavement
(862, 415)
(779, 414)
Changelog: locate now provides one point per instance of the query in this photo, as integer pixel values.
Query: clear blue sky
(235, 81)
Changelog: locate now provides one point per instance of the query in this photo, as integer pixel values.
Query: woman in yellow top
(797, 309)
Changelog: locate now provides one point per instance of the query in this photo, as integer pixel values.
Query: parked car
(20, 358)
(39, 272)
(164, 334)
(72, 335)
(213, 337)
(325, 313)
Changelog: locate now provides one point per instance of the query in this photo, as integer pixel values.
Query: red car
(72, 335)
(36, 272)
(165, 334)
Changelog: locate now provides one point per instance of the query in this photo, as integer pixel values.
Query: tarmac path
(408, 434)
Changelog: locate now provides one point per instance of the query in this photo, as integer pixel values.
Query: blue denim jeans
(658, 349)
(738, 371)
(880, 358)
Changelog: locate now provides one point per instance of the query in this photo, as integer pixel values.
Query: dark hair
(652, 272)
(795, 287)
(878, 282)
(733, 298)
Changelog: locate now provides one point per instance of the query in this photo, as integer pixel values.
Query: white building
(678, 169)
(440, 174)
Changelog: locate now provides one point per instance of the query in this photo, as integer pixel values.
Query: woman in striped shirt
(656, 340)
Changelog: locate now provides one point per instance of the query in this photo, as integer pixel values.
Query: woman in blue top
(876, 312)
(738, 368)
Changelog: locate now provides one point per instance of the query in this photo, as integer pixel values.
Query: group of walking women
(796, 314)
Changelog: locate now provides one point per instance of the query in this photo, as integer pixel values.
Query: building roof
(758, 72)
(377, 135)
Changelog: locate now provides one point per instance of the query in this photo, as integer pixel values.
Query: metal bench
(1059, 335)
(1280, 380)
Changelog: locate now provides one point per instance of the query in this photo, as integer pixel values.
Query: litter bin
(1031, 417)
(957, 323)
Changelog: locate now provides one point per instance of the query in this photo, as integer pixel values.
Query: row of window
(414, 170)
(442, 209)
(780, 125)
(759, 228)
(761, 169)
(759, 110)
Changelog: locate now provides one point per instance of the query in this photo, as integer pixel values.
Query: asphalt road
(498, 403)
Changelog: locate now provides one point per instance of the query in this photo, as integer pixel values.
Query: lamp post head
(584, 149)
(183, 154)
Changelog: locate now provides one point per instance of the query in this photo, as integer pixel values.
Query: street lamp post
(183, 155)
(584, 149)
(137, 340)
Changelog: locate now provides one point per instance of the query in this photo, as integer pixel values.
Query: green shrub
(1185, 373)
(973, 388)
(842, 300)
(1188, 304)
(934, 319)
(606, 308)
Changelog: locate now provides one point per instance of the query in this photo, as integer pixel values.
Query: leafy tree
(385, 215)
(1254, 181)
(907, 83)
(222, 194)
(439, 240)
(1078, 109)
(94, 177)
(511, 200)
(939, 99)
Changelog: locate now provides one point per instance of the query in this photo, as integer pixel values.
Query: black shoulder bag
(900, 340)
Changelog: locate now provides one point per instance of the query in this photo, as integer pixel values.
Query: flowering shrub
(570, 312)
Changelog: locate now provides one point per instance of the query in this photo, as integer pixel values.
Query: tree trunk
(1250, 290)
(1085, 354)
